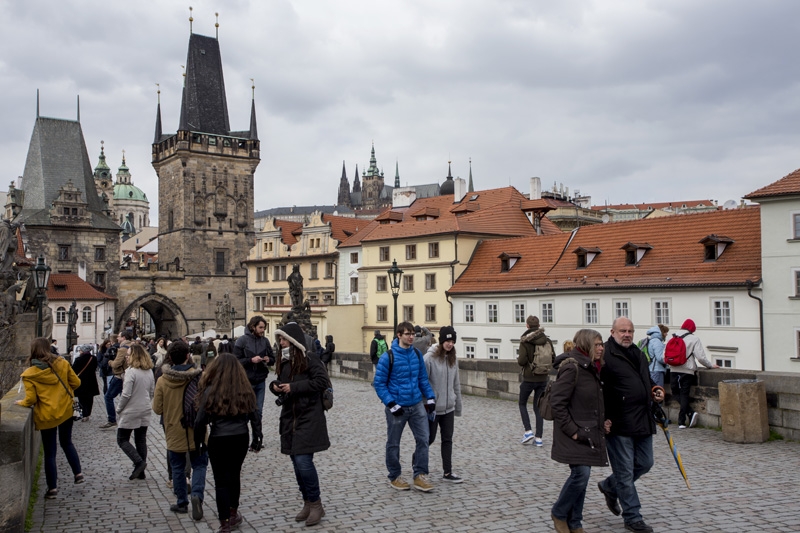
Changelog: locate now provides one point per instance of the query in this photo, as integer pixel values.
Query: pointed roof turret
(204, 107)
(123, 173)
(448, 187)
(396, 174)
(471, 188)
(101, 162)
(253, 129)
(157, 137)
(183, 125)
(356, 182)
(344, 172)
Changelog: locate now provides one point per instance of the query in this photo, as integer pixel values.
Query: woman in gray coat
(579, 425)
(134, 408)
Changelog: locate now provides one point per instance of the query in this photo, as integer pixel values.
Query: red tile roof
(343, 227)
(71, 287)
(288, 229)
(676, 259)
(655, 205)
(789, 184)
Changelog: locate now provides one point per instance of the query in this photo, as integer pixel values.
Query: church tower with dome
(126, 203)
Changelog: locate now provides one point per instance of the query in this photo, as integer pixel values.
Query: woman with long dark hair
(579, 424)
(440, 362)
(133, 410)
(49, 384)
(303, 429)
(85, 367)
(227, 403)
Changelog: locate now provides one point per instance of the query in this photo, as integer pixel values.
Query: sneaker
(399, 483)
(693, 420)
(527, 437)
(452, 478)
(537, 441)
(681, 427)
(108, 425)
(639, 526)
(421, 483)
(79, 479)
(197, 508)
(50, 494)
(175, 508)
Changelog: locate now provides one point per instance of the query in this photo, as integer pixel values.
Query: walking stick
(663, 423)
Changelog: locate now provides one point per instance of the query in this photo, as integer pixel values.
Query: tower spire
(191, 19)
(396, 174)
(37, 103)
(157, 137)
(471, 188)
(79, 108)
(253, 127)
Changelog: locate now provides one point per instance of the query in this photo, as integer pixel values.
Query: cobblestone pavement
(507, 487)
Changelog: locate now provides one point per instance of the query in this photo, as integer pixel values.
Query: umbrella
(663, 422)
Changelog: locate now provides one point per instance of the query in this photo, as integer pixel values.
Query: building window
(61, 315)
(276, 299)
(100, 253)
(547, 312)
(328, 270)
(469, 312)
(353, 285)
(354, 258)
(519, 313)
(430, 313)
(469, 351)
(630, 257)
(661, 312)
(261, 273)
(327, 298)
(382, 313)
(722, 313)
(220, 262)
(100, 279)
(433, 250)
(313, 298)
(268, 246)
(622, 308)
(494, 352)
(86, 314)
(63, 253)
(381, 282)
(408, 283)
(408, 313)
(279, 273)
(260, 302)
(581, 260)
(383, 253)
(796, 220)
(723, 362)
(314, 268)
(430, 282)
(314, 243)
(411, 251)
(590, 312)
(491, 313)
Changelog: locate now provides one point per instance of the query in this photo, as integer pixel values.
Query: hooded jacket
(527, 346)
(303, 428)
(655, 347)
(373, 348)
(445, 381)
(133, 410)
(248, 346)
(408, 381)
(86, 366)
(576, 398)
(627, 390)
(168, 402)
(52, 404)
(119, 364)
(694, 353)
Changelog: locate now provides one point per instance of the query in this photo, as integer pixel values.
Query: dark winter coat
(627, 390)
(328, 353)
(528, 342)
(373, 348)
(85, 366)
(302, 425)
(576, 398)
(248, 346)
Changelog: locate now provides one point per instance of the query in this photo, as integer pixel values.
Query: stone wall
(501, 379)
(19, 451)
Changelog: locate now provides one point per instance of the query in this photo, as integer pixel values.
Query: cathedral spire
(253, 129)
(157, 137)
(396, 174)
(471, 188)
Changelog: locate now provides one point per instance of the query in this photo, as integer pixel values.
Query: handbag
(545, 409)
(77, 410)
(327, 398)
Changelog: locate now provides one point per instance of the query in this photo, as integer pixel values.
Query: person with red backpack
(682, 375)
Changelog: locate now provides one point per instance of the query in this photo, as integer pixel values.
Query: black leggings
(446, 422)
(227, 455)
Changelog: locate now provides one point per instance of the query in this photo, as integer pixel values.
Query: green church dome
(126, 191)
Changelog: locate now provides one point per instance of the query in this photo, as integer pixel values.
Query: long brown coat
(576, 398)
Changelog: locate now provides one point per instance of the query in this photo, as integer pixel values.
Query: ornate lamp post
(233, 317)
(109, 324)
(203, 326)
(395, 275)
(41, 275)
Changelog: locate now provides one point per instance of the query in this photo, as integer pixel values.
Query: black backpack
(189, 403)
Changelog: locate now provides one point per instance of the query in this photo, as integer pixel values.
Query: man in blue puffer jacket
(401, 382)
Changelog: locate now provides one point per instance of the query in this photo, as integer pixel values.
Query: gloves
(430, 405)
(255, 446)
(272, 384)
(432, 416)
(395, 409)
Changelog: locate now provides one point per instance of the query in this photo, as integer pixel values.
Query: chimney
(82, 270)
(536, 189)
(403, 196)
(459, 189)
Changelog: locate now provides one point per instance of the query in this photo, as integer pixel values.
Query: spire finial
(102, 148)
(37, 103)
(253, 86)
(191, 19)
(79, 108)
(123, 156)
(158, 92)
(216, 25)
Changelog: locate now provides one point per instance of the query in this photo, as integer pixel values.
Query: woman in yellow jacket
(49, 385)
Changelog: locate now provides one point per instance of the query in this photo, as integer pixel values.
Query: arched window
(61, 315)
(87, 314)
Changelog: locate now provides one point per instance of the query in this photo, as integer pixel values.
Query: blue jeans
(569, 505)
(114, 390)
(259, 389)
(199, 465)
(417, 420)
(306, 474)
(64, 432)
(630, 458)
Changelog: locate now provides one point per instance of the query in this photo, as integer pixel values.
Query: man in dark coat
(534, 379)
(628, 392)
(254, 352)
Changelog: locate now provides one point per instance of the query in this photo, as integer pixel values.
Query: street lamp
(395, 275)
(109, 323)
(203, 325)
(41, 275)
(233, 317)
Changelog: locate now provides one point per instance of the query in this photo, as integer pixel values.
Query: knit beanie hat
(688, 325)
(532, 322)
(447, 333)
(293, 333)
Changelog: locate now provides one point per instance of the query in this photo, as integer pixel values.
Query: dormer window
(508, 260)
(634, 253)
(586, 256)
(714, 245)
(390, 217)
(426, 213)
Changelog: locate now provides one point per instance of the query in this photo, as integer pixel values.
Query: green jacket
(528, 342)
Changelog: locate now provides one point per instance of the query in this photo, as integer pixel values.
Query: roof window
(586, 255)
(634, 252)
(714, 246)
(508, 260)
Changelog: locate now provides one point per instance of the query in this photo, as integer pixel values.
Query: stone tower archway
(168, 317)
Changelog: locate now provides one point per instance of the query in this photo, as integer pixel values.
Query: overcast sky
(627, 101)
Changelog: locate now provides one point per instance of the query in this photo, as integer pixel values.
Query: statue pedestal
(24, 333)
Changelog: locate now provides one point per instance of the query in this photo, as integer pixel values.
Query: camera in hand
(281, 396)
